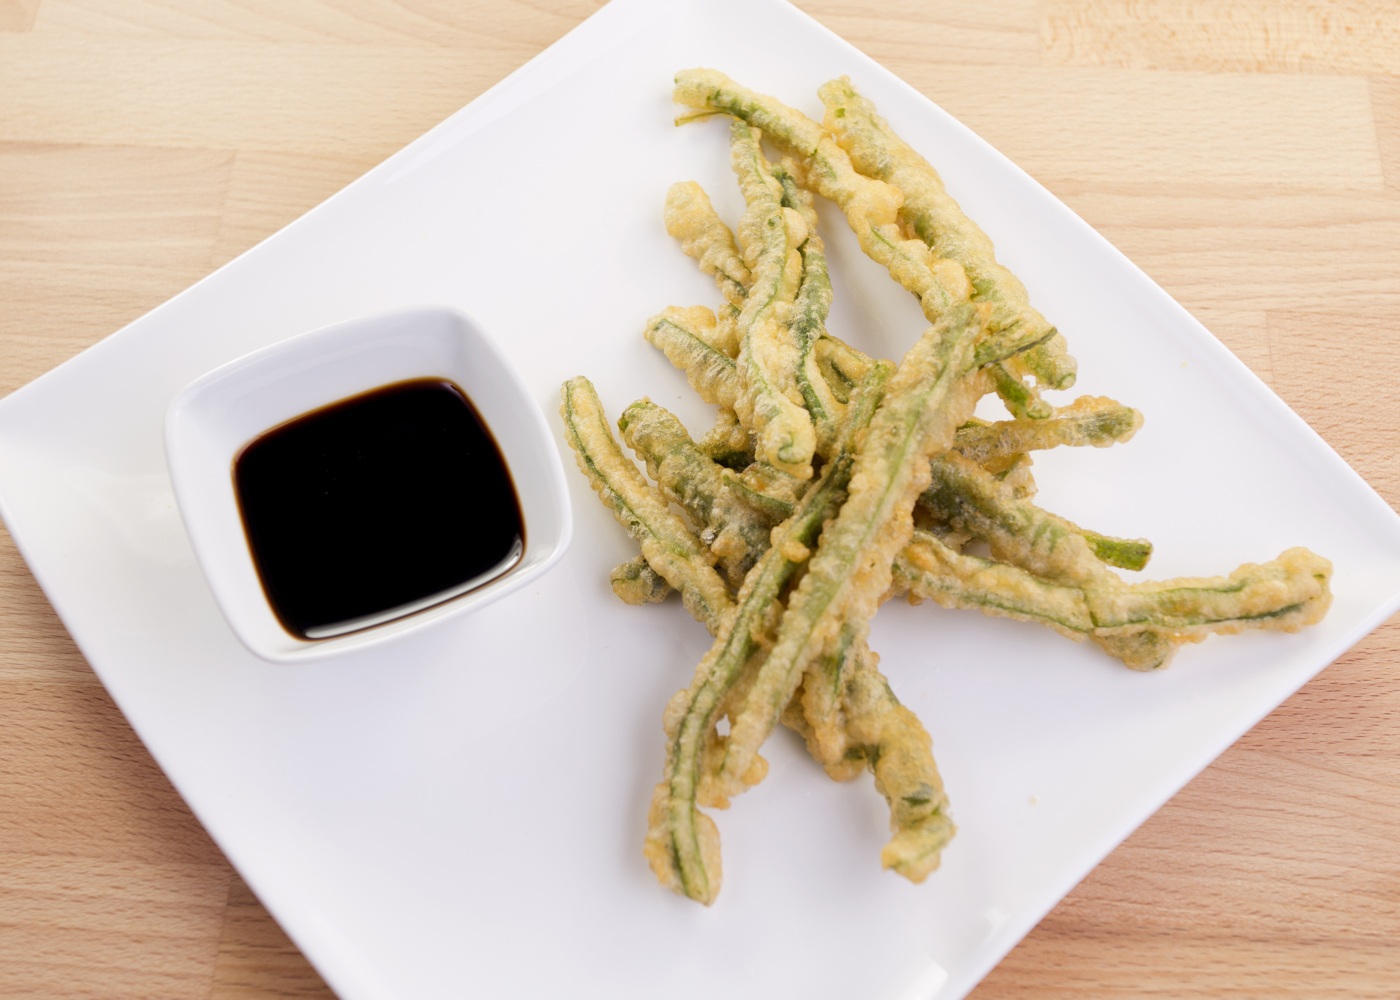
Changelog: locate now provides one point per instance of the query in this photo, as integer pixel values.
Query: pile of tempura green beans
(831, 481)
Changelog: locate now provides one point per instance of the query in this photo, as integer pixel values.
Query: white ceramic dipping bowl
(211, 420)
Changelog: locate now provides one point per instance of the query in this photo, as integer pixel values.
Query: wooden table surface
(1246, 154)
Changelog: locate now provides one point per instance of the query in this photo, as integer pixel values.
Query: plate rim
(569, 47)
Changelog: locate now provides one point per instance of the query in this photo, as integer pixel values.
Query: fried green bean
(1094, 421)
(1022, 399)
(1284, 594)
(871, 206)
(1142, 624)
(899, 751)
(668, 545)
(682, 843)
(807, 322)
(830, 481)
(967, 498)
(769, 235)
(822, 694)
(728, 442)
(847, 714)
(929, 569)
(735, 532)
(1090, 421)
(692, 220)
(828, 363)
(940, 223)
(1053, 549)
(1014, 472)
(1123, 553)
(930, 396)
(635, 582)
(844, 692)
(684, 335)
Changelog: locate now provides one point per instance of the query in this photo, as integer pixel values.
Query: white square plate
(466, 818)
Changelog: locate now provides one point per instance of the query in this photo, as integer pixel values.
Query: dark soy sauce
(377, 506)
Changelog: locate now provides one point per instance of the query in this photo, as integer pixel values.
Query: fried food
(635, 582)
(735, 532)
(872, 208)
(703, 235)
(1141, 624)
(668, 544)
(681, 842)
(807, 321)
(930, 395)
(689, 339)
(935, 218)
(769, 236)
(1093, 421)
(832, 481)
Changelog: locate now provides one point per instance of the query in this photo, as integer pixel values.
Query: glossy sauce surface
(377, 506)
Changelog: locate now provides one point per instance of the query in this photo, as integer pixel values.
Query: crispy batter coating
(769, 235)
(930, 396)
(1094, 421)
(831, 481)
(734, 531)
(689, 338)
(668, 545)
(681, 842)
(1141, 624)
(692, 220)
(635, 582)
(936, 219)
(807, 321)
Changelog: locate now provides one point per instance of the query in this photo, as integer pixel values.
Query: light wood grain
(256, 960)
(1331, 246)
(1173, 131)
(1355, 37)
(1246, 155)
(17, 15)
(1385, 107)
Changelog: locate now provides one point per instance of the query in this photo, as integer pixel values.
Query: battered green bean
(1090, 420)
(669, 547)
(1142, 624)
(967, 498)
(871, 206)
(844, 692)
(805, 490)
(1013, 472)
(735, 531)
(822, 692)
(1021, 398)
(850, 719)
(728, 442)
(828, 363)
(768, 357)
(635, 582)
(1124, 553)
(692, 220)
(930, 396)
(900, 753)
(808, 320)
(682, 336)
(682, 844)
(940, 223)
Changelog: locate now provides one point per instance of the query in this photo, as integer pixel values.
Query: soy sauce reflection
(377, 506)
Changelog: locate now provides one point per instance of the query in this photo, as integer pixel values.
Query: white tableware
(461, 813)
(210, 421)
